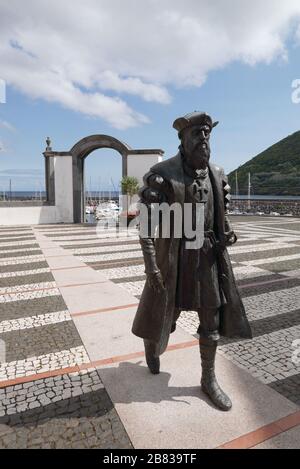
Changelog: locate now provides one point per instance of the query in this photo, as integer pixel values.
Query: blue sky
(248, 90)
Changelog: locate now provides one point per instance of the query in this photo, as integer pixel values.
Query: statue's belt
(209, 236)
(210, 240)
(217, 243)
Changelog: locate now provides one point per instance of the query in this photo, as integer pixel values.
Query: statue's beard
(199, 157)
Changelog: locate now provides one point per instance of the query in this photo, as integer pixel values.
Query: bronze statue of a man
(182, 279)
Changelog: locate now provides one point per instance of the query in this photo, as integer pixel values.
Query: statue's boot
(151, 357)
(209, 382)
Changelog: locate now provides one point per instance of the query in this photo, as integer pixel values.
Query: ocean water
(37, 194)
(115, 194)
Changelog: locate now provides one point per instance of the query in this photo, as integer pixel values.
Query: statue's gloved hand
(231, 238)
(156, 281)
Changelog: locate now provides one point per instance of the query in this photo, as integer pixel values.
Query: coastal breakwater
(281, 206)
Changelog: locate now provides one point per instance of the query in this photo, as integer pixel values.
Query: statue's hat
(193, 118)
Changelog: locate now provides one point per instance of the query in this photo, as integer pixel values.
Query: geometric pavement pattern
(41, 406)
(39, 337)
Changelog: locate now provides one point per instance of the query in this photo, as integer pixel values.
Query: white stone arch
(65, 170)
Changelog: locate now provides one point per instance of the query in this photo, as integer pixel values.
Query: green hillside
(275, 171)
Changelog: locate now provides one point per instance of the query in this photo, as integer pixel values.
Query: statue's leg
(151, 352)
(152, 357)
(208, 341)
(175, 317)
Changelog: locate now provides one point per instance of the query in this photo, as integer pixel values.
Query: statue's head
(194, 132)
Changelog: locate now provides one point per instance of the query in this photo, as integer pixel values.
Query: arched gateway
(79, 152)
(65, 170)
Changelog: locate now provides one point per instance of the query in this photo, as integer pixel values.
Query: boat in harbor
(89, 209)
(108, 209)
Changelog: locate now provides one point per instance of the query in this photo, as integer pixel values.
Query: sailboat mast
(236, 185)
(249, 191)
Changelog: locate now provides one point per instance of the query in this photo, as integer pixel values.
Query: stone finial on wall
(48, 142)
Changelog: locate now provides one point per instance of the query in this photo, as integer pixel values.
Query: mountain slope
(275, 171)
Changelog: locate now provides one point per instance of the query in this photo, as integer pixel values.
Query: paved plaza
(73, 376)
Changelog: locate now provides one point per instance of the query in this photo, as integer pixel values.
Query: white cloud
(298, 35)
(6, 125)
(109, 80)
(85, 55)
(2, 147)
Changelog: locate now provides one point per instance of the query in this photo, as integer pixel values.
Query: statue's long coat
(154, 317)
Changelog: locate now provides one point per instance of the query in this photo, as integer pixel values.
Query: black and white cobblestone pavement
(73, 409)
(37, 336)
(266, 263)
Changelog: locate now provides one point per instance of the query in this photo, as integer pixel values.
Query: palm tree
(130, 187)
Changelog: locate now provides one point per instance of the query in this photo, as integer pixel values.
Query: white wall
(64, 187)
(139, 164)
(62, 212)
(29, 215)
